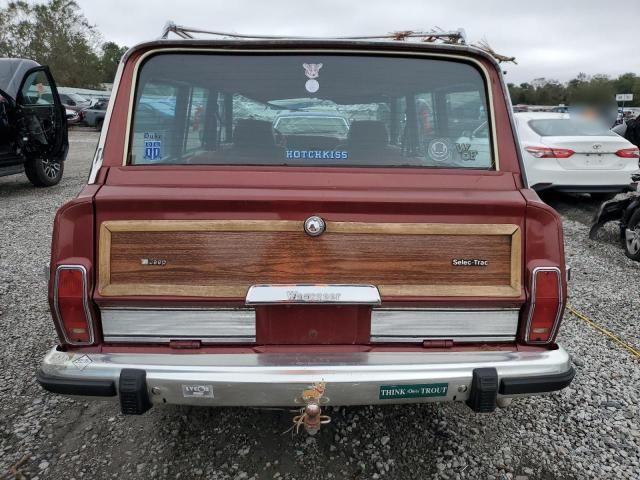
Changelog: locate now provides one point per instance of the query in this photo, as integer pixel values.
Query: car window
(154, 137)
(310, 110)
(568, 127)
(36, 90)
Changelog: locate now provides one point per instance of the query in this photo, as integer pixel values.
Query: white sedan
(574, 154)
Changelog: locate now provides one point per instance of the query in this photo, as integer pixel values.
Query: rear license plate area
(313, 324)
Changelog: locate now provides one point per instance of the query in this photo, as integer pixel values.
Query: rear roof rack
(437, 35)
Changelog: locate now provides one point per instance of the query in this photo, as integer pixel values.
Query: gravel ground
(591, 430)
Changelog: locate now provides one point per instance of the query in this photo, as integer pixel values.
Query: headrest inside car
(252, 134)
(367, 134)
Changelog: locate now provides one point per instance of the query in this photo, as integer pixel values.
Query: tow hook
(310, 416)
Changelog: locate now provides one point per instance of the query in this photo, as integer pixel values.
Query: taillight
(628, 153)
(71, 305)
(546, 305)
(546, 152)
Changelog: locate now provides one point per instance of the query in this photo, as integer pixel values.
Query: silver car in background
(573, 154)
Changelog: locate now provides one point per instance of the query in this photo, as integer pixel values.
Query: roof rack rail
(435, 35)
(456, 37)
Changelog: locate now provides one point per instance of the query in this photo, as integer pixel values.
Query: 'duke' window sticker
(152, 146)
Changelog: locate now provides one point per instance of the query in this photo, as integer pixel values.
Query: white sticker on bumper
(197, 391)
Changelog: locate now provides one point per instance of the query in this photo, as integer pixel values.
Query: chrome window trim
(321, 50)
(332, 294)
(533, 304)
(97, 157)
(85, 303)
(161, 325)
(460, 325)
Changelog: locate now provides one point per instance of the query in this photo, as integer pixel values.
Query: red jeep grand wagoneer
(287, 222)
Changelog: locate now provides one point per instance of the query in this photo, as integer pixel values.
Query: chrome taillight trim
(154, 325)
(85, 302)
(532, 304)
(402, 325)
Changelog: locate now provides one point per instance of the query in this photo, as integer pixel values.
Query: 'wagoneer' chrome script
(297, 296)
(332, 293)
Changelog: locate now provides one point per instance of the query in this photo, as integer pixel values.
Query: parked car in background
(574, 154)
(94, 115)
(73, 117)
(73, 101)
(560, 109)
(207, 264)
(33, 123)
(626, 212)
(156, 116)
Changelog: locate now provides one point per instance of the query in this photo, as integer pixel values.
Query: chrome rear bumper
(277, 379)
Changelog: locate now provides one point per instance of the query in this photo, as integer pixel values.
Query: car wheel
(632, 237)
(99, 125)
(44, 172)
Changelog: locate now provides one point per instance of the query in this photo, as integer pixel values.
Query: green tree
(111, 55)
(596, 90)
(55, 33)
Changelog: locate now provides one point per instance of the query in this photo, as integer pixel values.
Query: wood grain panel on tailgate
(223, 258)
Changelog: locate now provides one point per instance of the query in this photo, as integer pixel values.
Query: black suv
(33, 127)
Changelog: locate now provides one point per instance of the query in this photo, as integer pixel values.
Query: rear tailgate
(174, 243)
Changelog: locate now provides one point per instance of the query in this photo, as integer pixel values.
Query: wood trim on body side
(106, 288)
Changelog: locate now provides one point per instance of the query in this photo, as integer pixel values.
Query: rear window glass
(569, 127)
(315, 110)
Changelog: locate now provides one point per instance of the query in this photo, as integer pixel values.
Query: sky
(550, 38)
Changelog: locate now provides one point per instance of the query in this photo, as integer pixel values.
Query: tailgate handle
(313, 295)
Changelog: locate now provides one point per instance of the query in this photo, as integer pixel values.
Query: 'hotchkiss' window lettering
(319, 154)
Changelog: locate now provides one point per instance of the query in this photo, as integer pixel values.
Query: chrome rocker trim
(277, 379)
